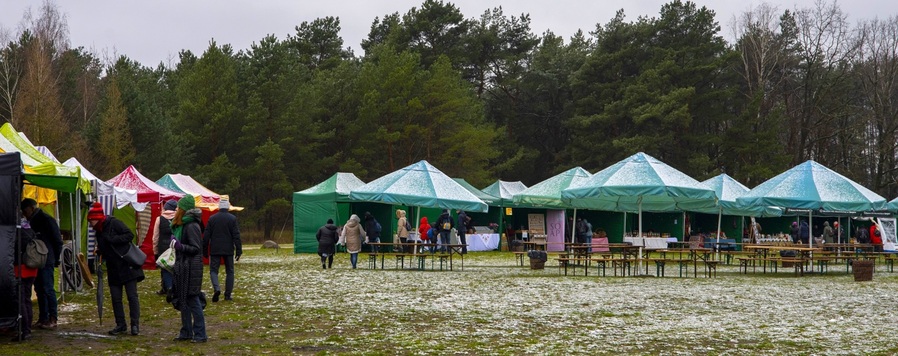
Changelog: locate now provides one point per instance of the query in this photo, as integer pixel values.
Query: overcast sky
(153, 31)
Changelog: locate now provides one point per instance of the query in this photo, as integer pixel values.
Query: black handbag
(134, 257)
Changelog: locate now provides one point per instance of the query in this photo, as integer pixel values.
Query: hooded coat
(327, 239)
(113, 240)
(189, 258)
(423, 228)
(353, 235)
(827, 233)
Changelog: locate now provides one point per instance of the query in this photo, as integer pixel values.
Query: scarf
(176, 230)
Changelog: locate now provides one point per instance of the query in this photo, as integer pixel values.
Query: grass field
(286, 304)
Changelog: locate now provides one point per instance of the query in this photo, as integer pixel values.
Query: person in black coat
(46, 230)
(221, 240)
(188, 272)
(327, 240)
(114, 240)
(462, 228)
(371, 229)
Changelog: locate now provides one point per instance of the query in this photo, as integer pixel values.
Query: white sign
(889, 234)
(536, 224)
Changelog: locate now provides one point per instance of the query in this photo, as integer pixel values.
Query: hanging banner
(555, 233)
(889, 234)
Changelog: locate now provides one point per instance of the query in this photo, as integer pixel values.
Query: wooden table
(805, 254)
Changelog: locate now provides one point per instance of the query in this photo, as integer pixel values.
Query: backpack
(35, 254)
(377, 227)
(408, 227)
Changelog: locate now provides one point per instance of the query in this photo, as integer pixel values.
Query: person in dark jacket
(795, 232)
(114, 240)
(462, 228)
(327, 240)
(445, 225)
(804, 232)
(221, 240)
(188, 271)
(371, 229)
(46, 230)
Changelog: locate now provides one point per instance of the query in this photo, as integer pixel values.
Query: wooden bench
(372, 260)
(564, 262)
(890, 261)
(745, 262)
(710, 267)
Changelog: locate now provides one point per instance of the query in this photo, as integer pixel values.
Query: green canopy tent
(813, 186)
(893, 205)
(494, 210)
(640, 183)
(547, 194)
(420, 185)
(313, 206)
(505, 191)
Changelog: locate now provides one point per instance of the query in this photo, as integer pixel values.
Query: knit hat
(794, 223)
(96, 212)
(224, 204)
(187, 203)
(170, 205)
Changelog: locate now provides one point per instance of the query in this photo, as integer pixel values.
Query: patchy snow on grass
(495, 306)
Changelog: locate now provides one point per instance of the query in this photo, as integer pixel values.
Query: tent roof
(548, 192)
(122, 196)
(505, 191)
(337, 187)
(487, 198)
(147, 190)
(811, 185)
(419, 184)
(727, 190)
(47, 173)
(185, 184)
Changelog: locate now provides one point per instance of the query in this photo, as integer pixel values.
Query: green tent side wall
(308, 216)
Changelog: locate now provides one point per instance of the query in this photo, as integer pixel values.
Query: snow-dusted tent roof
(123, 196)
(187, 185)
(505, 191)
(147, 190)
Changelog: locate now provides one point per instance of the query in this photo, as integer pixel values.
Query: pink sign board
(555, 230)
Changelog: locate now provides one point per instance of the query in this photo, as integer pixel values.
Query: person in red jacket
(876, 238)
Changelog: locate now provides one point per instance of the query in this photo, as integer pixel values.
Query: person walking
(327, 241)
(462, 228)
(188, 271)
(423, 229)
(827, 233)
(352, 237)
(445, 225)
(162, 241)
(221, 240)
(26, 275)
(47, 230)
(114, 240)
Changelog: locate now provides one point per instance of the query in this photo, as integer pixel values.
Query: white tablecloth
(482, 242)
(648, 242)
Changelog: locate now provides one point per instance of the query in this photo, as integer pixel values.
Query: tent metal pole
(573, 227)
(639, 263)
(811, 229)
(717, 245)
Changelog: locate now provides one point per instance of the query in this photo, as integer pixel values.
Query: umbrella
(811, 186)
(99, 262)
(640, 182)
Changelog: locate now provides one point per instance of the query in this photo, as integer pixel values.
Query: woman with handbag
(114, 243)
(188, 271)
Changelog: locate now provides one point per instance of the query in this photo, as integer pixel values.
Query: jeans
(133, 303)
(167, 279)
(193, 323)
(588, 242)
(463, 241)
(374, 249)
(444, 240)
(214, 262)
(46, 295)
(354, 259)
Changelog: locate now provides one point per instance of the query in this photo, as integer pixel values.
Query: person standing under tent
(402, 227)
(373, 228)
(47, 230)
(875, 237)
(839, 232)
(162, 241)
(113, 240)
(445, 225)
(188, 272)
(423, 228)
(221, 240)
(827, 233)
(804, 232)
(352, 237)
(327, 237)
(794, 232)
(462, 228)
